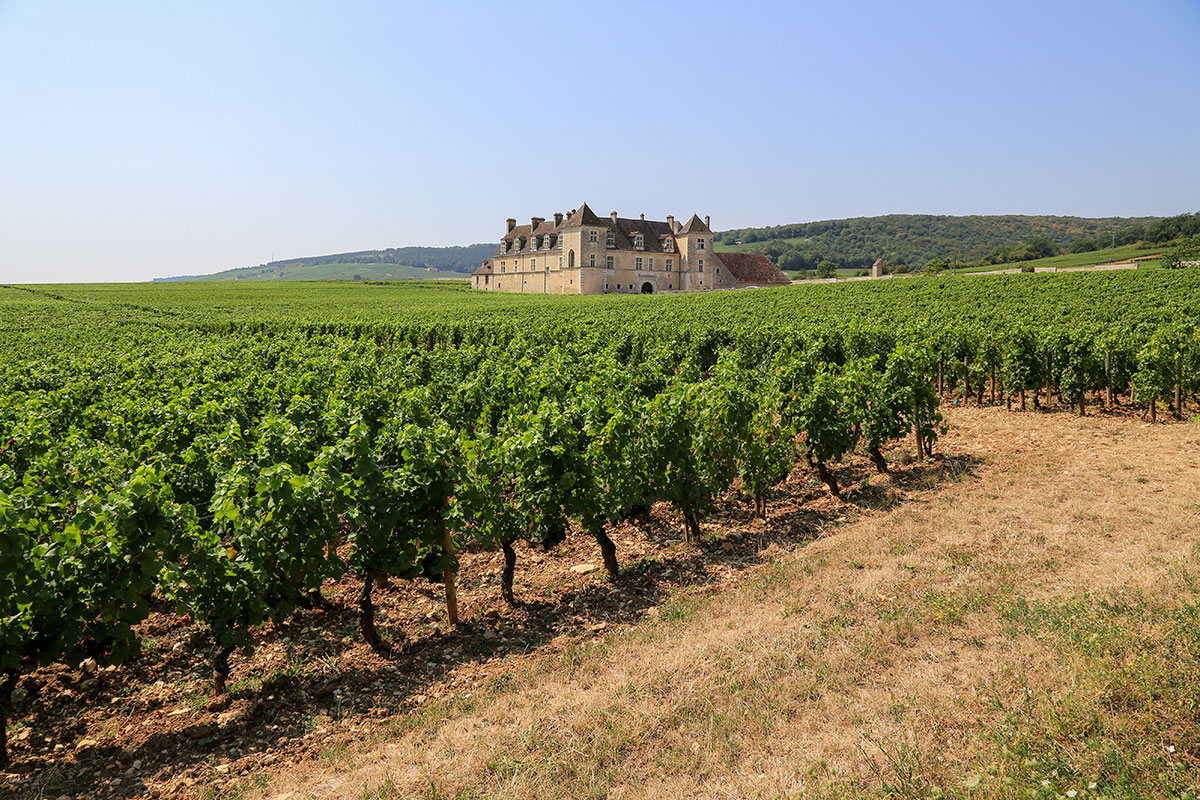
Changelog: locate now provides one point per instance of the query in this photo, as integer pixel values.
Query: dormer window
(517, 243)
(546, 241)
(533, 242)
(639, 242)
(668, 244)
(611, 240)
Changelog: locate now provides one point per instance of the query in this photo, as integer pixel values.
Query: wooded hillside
(392, 263)
(915, 239)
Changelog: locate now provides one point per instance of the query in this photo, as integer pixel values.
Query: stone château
(581, 253)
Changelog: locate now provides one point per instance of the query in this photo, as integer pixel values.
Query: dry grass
(1029, 630)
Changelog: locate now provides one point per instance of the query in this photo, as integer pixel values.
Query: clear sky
(154, 138)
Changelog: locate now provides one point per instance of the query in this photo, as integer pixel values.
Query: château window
(608, 262)
(560, 262)
(670, 265)
(700, 244)
(668, 244)
(700, 266)
(639, 242)
(611, 240)
(638, 262)
(593, 237)
(532, 264)
(652, 262)
(592, 260)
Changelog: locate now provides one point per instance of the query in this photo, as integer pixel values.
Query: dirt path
(994, 634)
(1116, 265)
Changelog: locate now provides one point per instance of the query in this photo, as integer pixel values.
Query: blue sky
(143, 139)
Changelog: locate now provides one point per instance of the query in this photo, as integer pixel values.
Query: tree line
(912, 241)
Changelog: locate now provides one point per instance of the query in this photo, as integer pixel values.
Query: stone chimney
(534, 222)
(706, 222)
(642, 217)
(557, 218)
(671, 223)
(509, 224)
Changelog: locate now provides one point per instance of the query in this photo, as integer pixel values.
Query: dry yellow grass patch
(990, 634)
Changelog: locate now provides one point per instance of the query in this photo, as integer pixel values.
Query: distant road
(1130, 264)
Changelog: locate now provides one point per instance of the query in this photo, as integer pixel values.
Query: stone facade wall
(599, 269)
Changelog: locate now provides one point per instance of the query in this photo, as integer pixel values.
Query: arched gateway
(647, 288)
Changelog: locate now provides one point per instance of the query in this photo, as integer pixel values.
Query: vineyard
(221, 452)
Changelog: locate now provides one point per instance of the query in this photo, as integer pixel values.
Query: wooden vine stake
(1108, 392)
(966, 380)
(448, 574)
(917, 429)
(1049, 376)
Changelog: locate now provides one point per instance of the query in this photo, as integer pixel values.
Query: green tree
(1039, 247)
(791, 260)
(1186, 252)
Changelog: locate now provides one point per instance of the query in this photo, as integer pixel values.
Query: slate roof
(753, 268)
(522, 232)
(582, 216)
(484, 269)
(651, 230)
(624, 230)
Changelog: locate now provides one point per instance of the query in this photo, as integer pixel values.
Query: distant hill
(915, 239)
(394, 263)
(911, 240)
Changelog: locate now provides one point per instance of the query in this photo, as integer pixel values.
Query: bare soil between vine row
(672, 680)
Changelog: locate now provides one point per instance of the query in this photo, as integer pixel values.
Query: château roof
(583, 216)
(654, 232)
(753, 268)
